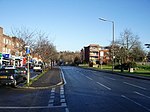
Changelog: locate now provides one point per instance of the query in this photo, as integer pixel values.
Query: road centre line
(110, 78)
(142, 94)
(136, 103)
(103, 85)
(135, 85)
(88, 77)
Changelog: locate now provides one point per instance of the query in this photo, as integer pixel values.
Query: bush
(91, 64)
(126, 66)
(131, 64)
(145, 67)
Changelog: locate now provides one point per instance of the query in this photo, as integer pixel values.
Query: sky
(73, 24)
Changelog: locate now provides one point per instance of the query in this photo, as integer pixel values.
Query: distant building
(10, 50)
(95, 54)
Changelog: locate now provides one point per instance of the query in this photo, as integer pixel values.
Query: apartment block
(96, 54)
(10, 49)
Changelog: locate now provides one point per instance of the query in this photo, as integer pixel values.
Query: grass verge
(139, 71)
(35, 79)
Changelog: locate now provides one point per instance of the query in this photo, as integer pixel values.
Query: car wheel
(14, 84)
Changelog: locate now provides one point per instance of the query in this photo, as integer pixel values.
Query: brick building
(95, 54)
(10, 50)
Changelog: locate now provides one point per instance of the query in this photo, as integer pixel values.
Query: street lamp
(148, 46)
(28, 72)
(113, 39)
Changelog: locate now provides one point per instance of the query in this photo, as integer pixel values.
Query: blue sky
(73, 24)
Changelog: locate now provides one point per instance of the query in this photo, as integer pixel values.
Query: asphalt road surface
(84, 91)
(92, 91)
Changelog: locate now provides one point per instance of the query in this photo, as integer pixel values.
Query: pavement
(50, 79)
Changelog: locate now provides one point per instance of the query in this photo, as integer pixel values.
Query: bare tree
(126, 45)
(44, 48)
(69, 57)
(23, 36)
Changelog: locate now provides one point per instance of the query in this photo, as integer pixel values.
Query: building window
(8, 51)
(4, 40)
(9, 42)
(3, 49)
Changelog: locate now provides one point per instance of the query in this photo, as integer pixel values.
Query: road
(92, 91)
(84, 91)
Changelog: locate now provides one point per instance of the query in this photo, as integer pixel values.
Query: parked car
(37, 68)
(10, 76)
(22, 71)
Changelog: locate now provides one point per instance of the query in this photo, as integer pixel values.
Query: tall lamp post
(28, 69)
(113, 39)
(148, 46)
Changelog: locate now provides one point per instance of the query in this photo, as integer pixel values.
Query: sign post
(1, 58)
(28, 72)
(101, 57)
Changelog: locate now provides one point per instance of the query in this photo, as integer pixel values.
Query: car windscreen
(21, 69)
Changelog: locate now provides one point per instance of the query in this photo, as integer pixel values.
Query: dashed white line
(62, 100)
(142, 94)
(53, 90)
(88, 77)
(67, 110)
(63, 104)
(62, 92)
(51, 97)
(51, 101)
(103, 85)
(135, 85)
(136, 102)
(110, 78)
(62, 96)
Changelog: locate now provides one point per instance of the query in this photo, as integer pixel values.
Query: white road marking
(66, 110)
(50, 105)
(53, 90)
(62, 74)
(63, 104)
(142, 94)
(135, 85)
(52, 94)
(51, 101)
(103, 85)
(136, 102)
(110, 78)
(61, 92)
(62, 87)
(62, 100)
(88, 77)
(62, 96)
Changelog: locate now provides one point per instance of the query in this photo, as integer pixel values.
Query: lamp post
(148, 46)
(28, 70)
(113, 39)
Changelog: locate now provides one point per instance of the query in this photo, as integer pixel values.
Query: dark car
(23, 72)
(10, 76)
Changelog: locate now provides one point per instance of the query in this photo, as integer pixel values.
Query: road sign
(27, 51)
